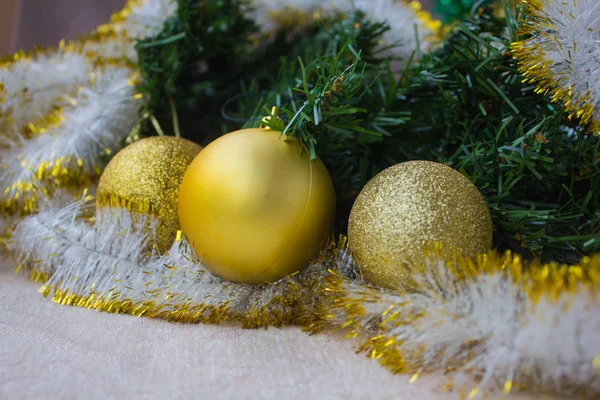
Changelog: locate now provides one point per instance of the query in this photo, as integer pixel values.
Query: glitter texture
(409, 206)
(147, 174)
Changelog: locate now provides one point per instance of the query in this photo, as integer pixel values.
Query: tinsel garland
(559, 53)
(95, 120)
(62, 108)
(507, 322)
(102, 264)
(408, 21)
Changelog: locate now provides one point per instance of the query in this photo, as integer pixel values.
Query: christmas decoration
(559, 53)
(145, 176)
(137, 20)
(61, 108)
(457, 316)
(409, 206)
(344, 95)
(64, 149)
(271, 15)
(100, 265)
(255, 207)
(211, 51)
(532, 165)
(511, 323)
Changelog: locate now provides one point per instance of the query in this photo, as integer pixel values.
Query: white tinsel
(96, 121)
(110, 258)
(147, 18)
(32, 88)
(94, 102)
(563, 54)
(34, 85)
(487, 327)
(401, 17)
(143, 19)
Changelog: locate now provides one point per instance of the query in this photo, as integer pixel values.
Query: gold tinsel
(327, 294)
(437, 28)
(292, 305)
(352, 303)
(318, 298)
(324, 295)
(22, 196)
(536, 279)
(46, 175)
(553, 77)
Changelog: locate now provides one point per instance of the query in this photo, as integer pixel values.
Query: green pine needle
(464, 105)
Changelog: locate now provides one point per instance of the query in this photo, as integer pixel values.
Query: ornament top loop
(273, 122)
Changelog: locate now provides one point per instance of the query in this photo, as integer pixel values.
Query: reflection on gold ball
(147, 174)
(409, 206)
(255, 207)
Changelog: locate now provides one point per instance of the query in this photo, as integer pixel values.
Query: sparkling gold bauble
(255, 207)
(410, 206)
(146, 176)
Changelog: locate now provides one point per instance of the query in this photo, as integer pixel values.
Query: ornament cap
(273, 122)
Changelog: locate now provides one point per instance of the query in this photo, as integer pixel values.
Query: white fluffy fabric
(400, 15)
(563, 54)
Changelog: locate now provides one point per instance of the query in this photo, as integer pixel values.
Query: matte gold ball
(254, 207)
(146, 176)
(409, 206)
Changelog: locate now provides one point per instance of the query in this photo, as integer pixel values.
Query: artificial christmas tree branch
(465, 105)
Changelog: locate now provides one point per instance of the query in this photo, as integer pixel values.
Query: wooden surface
(46, 22)
(9, 10)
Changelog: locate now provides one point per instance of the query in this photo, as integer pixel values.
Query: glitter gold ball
(146, 176)
(409, 206)
(255, 207)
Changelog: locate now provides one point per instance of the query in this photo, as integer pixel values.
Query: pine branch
(196, 62)
(536, 168)
(464, 105)
(360, 111)
(337, 92)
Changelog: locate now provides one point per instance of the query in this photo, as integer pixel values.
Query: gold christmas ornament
(145, 176)
(255, 207)
(408, 207)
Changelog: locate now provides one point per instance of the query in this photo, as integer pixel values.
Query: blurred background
(28, 23)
